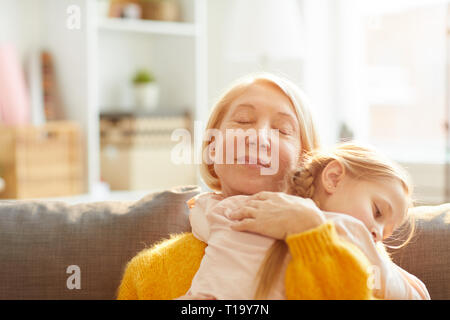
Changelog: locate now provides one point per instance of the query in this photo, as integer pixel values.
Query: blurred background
(91, 90)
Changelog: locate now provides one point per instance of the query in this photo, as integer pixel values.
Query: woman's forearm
(299, 221)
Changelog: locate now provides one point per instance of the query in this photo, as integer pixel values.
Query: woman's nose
(263, 138)
(260, 137)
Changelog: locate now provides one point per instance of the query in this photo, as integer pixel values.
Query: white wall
(19, 24)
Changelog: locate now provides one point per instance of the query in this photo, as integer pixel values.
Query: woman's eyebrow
(289, 117)
(245, 105)
(285, 114)
(240, 107)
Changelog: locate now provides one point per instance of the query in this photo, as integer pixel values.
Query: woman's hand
(277, 215)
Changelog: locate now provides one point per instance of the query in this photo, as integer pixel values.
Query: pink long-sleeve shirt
(232, 258)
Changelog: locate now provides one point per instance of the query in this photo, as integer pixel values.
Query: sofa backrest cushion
(39, 241)
(427, 256)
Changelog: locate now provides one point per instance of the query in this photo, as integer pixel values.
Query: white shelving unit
(90, 60)
(176, 52)
(151, 27)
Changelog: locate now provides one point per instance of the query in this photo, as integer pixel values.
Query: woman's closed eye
(243, 121)
(284, 127)
(243, 118)
(285, 130)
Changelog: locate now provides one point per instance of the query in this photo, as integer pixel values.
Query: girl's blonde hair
(361, 163)
(308, 135)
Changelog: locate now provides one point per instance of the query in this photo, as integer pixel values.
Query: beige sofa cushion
(40, 240)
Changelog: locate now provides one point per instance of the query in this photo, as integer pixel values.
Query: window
(406, 58)
(392, 85)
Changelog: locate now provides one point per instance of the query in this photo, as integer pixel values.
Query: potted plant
(146, 90)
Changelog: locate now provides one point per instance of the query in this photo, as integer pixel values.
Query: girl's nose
(374, 235)
(377, 234)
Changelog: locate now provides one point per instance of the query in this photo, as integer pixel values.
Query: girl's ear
(331, 175)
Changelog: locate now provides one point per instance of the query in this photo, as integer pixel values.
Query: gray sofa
(39, 241)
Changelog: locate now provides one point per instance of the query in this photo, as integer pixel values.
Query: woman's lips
(253, 162)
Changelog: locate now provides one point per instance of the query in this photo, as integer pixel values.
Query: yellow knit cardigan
(322, 267)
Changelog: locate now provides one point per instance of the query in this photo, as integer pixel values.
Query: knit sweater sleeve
(140, 279)
(164, 271)
(325, 267)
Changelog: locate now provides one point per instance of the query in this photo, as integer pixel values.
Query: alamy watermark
(73, 21)
(74, 280)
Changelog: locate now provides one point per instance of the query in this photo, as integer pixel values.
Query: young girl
(352, 184)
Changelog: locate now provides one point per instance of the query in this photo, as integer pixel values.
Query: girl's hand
(277, 215)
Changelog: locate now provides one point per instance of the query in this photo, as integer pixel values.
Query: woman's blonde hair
(361, 163)
(308, 135)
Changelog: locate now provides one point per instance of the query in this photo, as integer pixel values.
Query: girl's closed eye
(377, 211)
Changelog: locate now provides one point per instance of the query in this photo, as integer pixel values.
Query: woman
(326, 268)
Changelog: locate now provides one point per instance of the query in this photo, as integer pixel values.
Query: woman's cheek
(288, 155)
